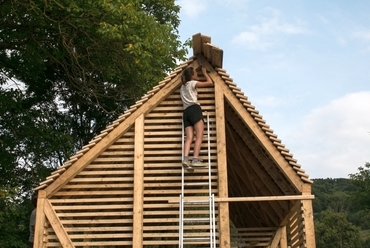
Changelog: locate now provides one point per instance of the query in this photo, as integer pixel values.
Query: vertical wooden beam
(222, 167)
(40, 220)
(308, 218)
(58, 228)
(197, 44)
(283, 238)
(137, 239)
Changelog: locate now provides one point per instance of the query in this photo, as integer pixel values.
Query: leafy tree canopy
(67, 69)
(362, 180)
(74, 66)
(334, 230)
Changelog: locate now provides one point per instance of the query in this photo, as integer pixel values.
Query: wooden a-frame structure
(122, 189)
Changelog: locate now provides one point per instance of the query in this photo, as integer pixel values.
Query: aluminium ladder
(197, 211)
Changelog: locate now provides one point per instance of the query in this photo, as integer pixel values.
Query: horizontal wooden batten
(254, 199)
(106, 172)
(99, 229)
(97, 221)
(89, 215)
(90, 200)
(93, 207)
(99, 186)
(102, 179)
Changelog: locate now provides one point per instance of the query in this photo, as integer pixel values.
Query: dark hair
(186, 75)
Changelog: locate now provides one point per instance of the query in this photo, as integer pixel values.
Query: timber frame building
(122, 189)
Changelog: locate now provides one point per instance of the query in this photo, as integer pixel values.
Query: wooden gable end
(122, 189)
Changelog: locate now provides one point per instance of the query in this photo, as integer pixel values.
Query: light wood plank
(112, 136)
(284, 239)
(40, 220)
(308, 218)
(222, 163)
(94, 207)
(197, 44)
(89, 200)
(97, 221)
(276, 240)
(137, 239)
(254, 199)
(62, 235)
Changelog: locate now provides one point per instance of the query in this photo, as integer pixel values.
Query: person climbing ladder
(192, 116)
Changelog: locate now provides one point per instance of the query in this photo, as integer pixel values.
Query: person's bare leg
(189, 131)
(199, 128)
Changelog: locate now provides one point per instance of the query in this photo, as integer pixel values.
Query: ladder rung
(197, 239)
(198, 220)
(196, 184)
(196, 203)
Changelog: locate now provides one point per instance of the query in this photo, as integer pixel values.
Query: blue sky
(305, 65)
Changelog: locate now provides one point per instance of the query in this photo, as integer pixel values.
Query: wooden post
(224, 217)
(283, 238)
(308, 218)
(137, 239)
(40, 220)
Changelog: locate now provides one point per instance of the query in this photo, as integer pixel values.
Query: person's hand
(204, 70)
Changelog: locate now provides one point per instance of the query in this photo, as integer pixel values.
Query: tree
(362, 181)
(74, 67)
(67, 69)
(333, 230)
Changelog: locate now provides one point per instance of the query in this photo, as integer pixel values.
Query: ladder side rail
(181, 221)
(182, 156)
(181, 202)
(213, 221)
(209, 183)
(209, 156)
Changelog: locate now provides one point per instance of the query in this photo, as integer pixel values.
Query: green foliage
(362, 180)
(334, 230)
(73, 67)
(333, 193)
(338, 204)
(14, 219)
(67, 69)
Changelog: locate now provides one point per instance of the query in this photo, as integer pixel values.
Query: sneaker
(197, 163)
(187, 165)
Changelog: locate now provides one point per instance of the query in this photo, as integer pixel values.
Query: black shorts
(192, 115)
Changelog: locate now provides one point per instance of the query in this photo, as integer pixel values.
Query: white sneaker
(198, 163)
(187, 165)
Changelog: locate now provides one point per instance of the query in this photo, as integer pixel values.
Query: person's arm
(206, 83)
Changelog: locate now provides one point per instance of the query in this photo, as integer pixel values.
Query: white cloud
(268, 32)
(334, 140)
(362, 35)
(192, 8)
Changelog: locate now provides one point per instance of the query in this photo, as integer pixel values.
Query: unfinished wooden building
(126, 187)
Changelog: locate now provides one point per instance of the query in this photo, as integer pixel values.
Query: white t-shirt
(189, 94)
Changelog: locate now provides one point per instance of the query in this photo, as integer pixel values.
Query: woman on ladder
(192, 116)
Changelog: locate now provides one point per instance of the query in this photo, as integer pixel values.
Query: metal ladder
(193, 209)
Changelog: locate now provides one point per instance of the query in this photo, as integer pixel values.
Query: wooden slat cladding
(162, 168)
(122, 189)
(296, 228)
(95, 207)
(252, 237)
